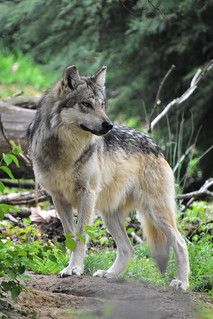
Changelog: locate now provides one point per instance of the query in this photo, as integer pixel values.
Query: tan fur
(157, 242)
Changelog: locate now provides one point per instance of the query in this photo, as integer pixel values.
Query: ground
(88, 297)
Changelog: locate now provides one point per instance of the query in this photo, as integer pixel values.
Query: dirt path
(88, 298)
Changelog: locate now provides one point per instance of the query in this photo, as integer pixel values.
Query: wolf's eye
(87, 105)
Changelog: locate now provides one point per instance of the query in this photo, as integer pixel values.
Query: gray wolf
(88, 164)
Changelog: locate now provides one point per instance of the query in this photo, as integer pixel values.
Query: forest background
(139, 41)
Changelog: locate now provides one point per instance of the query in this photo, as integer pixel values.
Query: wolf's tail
(158, 244)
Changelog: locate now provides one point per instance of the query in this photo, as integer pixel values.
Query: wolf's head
(81, 101)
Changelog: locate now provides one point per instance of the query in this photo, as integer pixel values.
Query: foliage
(9, 264)
(7, 159)
(20, 70)
(30, 248)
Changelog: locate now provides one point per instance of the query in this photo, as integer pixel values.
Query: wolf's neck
(74, 140)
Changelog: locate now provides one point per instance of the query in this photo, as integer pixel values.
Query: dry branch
(24, 198)
(158, 96)
(199, 75)
(18, 184)
(204, 190)
(136, 237)
(22, 213)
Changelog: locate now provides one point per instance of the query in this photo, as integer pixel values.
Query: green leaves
(2, 187)
(13, 287)
(2, 315)
(6, 208)
(91, 231)
(12, 271)
(81, 237)
(7, 170)
(10, 158)
(70, 242)
(16, 150)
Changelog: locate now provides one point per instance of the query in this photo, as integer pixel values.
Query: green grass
(19, 72)
(142, 267)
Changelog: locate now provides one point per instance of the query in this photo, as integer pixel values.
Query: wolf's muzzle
(107, 126)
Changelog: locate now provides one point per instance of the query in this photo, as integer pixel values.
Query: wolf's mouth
(101, 132)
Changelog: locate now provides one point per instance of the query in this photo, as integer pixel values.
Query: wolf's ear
(71, 77)
(100, 76)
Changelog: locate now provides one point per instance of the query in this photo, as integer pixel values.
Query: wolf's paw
(99, 273)
(105, 274)
(178, 284)
(69, 271)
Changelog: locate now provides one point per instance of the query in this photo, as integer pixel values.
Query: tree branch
(199, 75)
(158, 98)
(202, 191)
(18, 183)
(24, 198)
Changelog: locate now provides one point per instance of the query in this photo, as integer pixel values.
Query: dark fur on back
(130, 140)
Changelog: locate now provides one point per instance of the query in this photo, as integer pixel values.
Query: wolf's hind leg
(162, 216)
(182, 261)
(115, 225)
(183, 268)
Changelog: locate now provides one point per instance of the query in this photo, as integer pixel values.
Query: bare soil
(89, 297)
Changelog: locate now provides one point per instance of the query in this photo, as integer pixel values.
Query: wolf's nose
(107, 125)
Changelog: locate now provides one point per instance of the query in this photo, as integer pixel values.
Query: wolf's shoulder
(130, 140)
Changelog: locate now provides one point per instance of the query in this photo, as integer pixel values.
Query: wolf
(87, 163)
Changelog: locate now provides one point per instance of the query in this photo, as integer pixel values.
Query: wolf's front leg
(64, 210)
(86, 203)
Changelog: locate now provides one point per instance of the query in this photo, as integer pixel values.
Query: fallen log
(28, 102)
(24, 198)
(22, 213)
(14, 121)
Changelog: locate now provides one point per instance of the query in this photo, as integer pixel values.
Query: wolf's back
(130, 140)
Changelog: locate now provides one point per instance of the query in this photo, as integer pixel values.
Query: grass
(19, 73)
